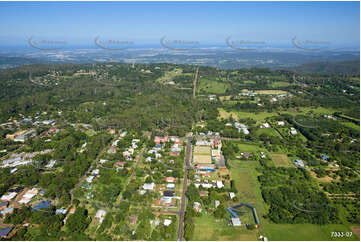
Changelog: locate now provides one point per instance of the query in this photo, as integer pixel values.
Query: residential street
(183, 200)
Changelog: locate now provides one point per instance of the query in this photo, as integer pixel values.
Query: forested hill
(350, 67)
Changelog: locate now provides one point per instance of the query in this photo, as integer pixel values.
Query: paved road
(183, 200)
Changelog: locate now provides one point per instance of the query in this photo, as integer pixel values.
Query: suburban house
(9, 196)
(5, 232)
(90, 179)
(100, 215)
(158, 140)
(4, 205)
(325, 157)
(41, 205)
(149, 186)
(293, 131)
(280, 123)
(168, 193)
(299, 163)
(167, 222)
(206, 167)
(236, 222)
(6, 211)
(170, 179)
(170, 186)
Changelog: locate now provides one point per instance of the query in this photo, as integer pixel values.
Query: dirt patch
(225, 115)
(323, 179)
(356, 230)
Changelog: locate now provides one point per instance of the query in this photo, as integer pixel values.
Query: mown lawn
(281, 160)
(280, 84)
(211, 86)
(268, 131)
(207, 228)
(245, 147)
(305, 232)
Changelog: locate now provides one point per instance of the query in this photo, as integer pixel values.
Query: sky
(205, 22)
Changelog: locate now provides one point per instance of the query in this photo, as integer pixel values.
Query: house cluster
(21, 136)
(17, 196)
(247, 93)
(129, 152)
(206, 184)
(23, 158)
(167, 191)
(93, 174)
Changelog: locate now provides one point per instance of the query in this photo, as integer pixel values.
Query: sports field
(202, 159)
(202, 150)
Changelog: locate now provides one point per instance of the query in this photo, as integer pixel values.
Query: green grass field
(281, 160)
(169, 75)
(268, 131)
(207, 228)
(351, 125)
(280, 84)
(305, 232)
(211, 86)
(249, 147)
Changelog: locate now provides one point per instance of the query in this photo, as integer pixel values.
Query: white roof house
(266, 125)
(170, 186)
(217, 203)
(90, 179)
(25, 200)
(206, 185)
(220, 184)
(13, 170)
(31, 193)
(293, 131)
(100, 215)
(148, 186)
(51, 164)
(280, 123)
(236, 222)
(232, 195)
(167, 222)
(95, 172)
(9, 196)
